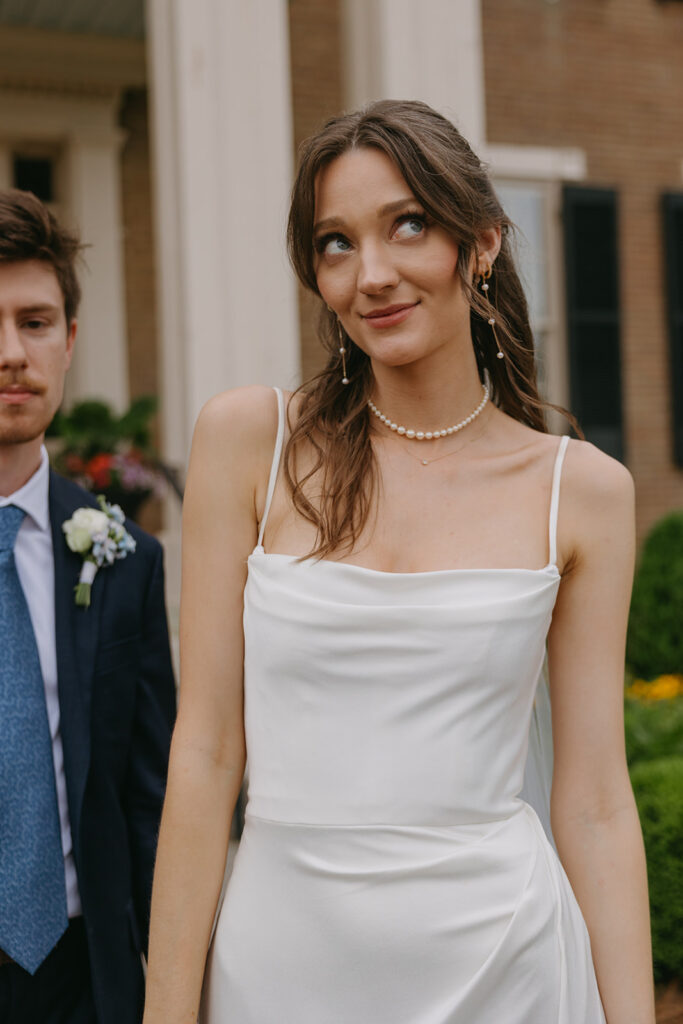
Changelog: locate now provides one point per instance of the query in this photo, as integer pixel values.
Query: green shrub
(655, 633)
(92, 426)
(658, 788)
(653, 730)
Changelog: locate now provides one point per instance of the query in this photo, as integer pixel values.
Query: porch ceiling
(96, 17)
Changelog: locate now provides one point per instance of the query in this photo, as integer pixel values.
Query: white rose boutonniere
(100, 536)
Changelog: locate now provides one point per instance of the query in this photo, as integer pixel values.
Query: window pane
(525, 206)
(34, 174)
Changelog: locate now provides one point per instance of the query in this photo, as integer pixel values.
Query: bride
(373, 570)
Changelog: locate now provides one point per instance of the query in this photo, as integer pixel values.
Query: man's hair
(28, 231)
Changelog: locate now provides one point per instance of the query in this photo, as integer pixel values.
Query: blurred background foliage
(111, 454)
(653, 716)
(91, 427)
(655, 629)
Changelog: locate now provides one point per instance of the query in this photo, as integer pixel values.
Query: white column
(222, 144)
(100, 366)
(428, 50)
(221, 133)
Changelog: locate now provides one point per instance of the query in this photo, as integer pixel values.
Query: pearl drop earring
(342, 350)
(483, 281)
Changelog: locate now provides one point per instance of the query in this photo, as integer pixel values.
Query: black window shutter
(592, 289)
(673, 240)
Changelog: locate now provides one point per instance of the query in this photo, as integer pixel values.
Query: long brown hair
(453, 186)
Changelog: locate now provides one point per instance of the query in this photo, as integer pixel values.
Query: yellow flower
(665, 687)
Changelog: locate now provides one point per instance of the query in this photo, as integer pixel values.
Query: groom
(87, 697)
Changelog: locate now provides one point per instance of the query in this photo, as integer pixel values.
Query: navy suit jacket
(117, 705)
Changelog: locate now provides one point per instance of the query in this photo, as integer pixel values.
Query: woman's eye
(410, 226)
(332, 245)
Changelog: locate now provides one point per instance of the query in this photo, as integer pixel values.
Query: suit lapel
(76, 631)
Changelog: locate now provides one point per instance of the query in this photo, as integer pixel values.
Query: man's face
(36, 347)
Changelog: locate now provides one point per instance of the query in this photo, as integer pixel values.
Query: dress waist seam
(382, 824)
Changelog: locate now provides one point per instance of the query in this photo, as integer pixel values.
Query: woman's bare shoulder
(595, 479)
(234, 439)
(238, 423)
(597, 508)
(249, 409)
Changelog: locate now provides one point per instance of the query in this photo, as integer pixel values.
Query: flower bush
(664, 687)
(653, 715)
(654, 728)
(109, 454)
(658, 789)
(127, 471)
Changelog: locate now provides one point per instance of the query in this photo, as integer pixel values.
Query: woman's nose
(376, 271)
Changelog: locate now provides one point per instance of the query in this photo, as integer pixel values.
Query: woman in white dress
(369, 586)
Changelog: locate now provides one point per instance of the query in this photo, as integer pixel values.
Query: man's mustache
(21, 384)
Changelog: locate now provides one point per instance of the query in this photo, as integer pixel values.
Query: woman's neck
(427, 397)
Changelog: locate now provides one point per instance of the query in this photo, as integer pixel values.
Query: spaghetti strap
(275, 464)
(555, 498)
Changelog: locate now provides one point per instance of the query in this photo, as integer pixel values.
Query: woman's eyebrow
(329, 222)
(336, 222)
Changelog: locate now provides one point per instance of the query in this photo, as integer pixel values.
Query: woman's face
(385, 268)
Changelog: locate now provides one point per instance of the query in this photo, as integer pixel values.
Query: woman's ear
(488, 247)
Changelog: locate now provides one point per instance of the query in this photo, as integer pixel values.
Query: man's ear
(70, 339)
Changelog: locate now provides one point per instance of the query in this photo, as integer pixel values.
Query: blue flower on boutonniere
(100, 536)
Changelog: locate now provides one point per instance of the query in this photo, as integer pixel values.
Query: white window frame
(84, 132)
(545, 169)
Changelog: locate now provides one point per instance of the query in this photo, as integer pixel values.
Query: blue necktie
(32, 889)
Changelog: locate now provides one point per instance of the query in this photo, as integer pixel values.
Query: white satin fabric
(389, 872)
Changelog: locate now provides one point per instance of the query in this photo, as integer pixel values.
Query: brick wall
(607, 76)
(316, 95)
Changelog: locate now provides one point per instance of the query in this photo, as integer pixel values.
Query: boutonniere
(100, 536)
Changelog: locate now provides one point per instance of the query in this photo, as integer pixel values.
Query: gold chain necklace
(437, 458)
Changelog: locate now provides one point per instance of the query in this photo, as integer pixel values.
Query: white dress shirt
(35, 565)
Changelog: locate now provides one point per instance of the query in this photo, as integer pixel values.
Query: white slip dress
(389, 871)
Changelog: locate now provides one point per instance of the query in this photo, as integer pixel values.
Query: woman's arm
(594, 817)
(231, 454)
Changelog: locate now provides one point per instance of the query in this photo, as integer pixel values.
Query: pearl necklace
(430, 435)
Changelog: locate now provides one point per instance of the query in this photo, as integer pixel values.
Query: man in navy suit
(87, 696)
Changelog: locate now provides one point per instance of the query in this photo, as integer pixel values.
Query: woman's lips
(390, 316)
